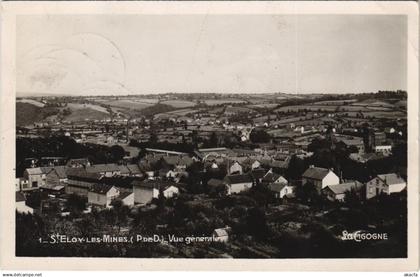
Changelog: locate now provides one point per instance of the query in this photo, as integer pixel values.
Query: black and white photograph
(212, 136)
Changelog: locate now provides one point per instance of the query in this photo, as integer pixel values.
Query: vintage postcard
(209, 135)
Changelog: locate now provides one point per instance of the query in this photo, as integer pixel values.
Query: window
(35, 184)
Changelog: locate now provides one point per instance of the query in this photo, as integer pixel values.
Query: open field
(376, 114)
(335, 102)
(179, 103)
(314, 108)
(129, 104)
(75, 107)
(182, 112)
(31, 101)
(354, 107)
(263, 105)
(238, 110)
(212, 102)
(86, 114)
(374, 103)
(174, 114)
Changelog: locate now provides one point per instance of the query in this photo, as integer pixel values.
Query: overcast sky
(113, 54)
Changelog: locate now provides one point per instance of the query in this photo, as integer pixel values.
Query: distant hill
(27, 114)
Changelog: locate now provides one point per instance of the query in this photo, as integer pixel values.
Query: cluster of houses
(328, 184)
(162, 173)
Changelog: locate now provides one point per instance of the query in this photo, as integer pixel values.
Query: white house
(171, 174)
(280, 190)
(36, 176)
(21, 204)
(146, 191)
(107, 170)
(21, 184)
(338, 192)
(221, 234)
(235, 168)
(214, 165)
(386, 150)
(126, 197)
(385, 183)
(102, 195)
(255, 164)
(271, 177)
(320, 177)
(150, 174)
(238, 183)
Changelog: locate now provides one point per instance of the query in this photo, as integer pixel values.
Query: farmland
(179, 103)
(76, 107)
(128, 104)
(214, 102)
(84, 114)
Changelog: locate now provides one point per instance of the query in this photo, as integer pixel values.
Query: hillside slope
(27, 114)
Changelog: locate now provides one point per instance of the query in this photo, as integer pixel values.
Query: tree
(153, 138)
(307, 193)
(142, 154)
(295, 169)
(259, 136)
(352, 198)
(120, 212)
(256, 223)
(76, 204)
(117, 152)
(213, 141)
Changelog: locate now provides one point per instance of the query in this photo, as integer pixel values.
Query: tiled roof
(177, 160)
(53, 187)
(279, 164)
(46, 169)
(101, 188)
(258, 173)
(276, 187)
(342, 188)
(102, 168)
(61, 171)
(214, 182)
(124, 194)
(134, 169)
(81, 174)
(221, 232)
(82, 161)
(20, 197)
(123, 169)
(157, 184)
(239, 178)
(38, 170)
(316, 173)
(391, 179)
(271, 177)
(34, 171)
